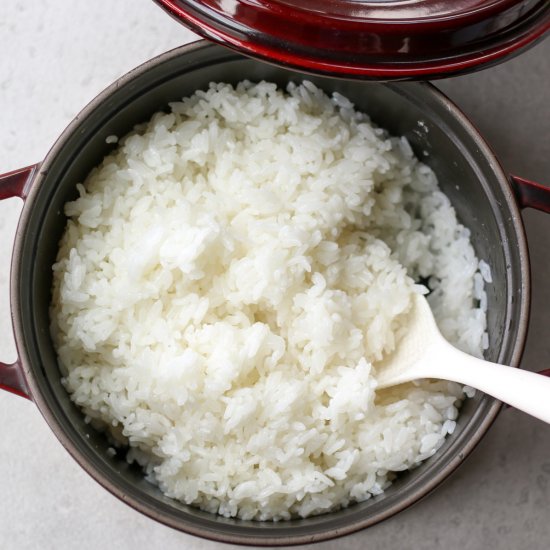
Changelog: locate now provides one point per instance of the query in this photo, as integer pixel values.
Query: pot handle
(15, 184)
(530, 194)
(13, 380)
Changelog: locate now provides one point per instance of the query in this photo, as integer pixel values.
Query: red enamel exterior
(384, 39)
(12, 380)
(531, 195)
(15, 184)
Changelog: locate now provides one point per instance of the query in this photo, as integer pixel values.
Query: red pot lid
(377, 39)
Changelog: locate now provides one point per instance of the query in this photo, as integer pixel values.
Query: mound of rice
(226, 283)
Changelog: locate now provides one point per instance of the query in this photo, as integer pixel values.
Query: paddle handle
(524, 390)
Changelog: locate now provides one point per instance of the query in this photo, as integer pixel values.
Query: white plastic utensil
(424, 353)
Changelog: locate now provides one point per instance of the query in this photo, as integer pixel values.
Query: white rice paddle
(423, 352)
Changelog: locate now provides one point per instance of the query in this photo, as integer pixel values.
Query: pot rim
(188, 526)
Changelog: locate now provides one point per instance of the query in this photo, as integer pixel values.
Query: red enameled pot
(370, 39)
(486, 200)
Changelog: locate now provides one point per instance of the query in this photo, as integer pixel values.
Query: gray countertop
(53, 60)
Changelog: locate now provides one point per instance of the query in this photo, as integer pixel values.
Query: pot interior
(467, 175)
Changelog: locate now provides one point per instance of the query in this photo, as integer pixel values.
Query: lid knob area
(376, 39)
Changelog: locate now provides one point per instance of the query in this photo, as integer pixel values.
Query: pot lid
(372, 39)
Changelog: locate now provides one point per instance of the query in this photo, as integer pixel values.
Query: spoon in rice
(423, 352)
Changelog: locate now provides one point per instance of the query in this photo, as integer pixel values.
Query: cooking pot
(486, 200)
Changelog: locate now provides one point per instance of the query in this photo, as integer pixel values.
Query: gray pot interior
(483, 204)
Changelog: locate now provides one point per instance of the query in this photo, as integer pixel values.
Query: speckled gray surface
(53, 59)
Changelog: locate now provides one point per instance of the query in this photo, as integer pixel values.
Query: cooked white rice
(227, 281)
